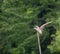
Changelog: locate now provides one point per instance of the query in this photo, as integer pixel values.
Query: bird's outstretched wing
(42, 26)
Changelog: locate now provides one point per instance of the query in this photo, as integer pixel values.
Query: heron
(39, 30)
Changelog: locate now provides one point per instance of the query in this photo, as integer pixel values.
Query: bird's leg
(39, 43)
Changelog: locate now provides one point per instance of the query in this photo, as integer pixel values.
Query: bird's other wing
(42, 26)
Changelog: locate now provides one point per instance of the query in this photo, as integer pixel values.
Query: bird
(39, 29)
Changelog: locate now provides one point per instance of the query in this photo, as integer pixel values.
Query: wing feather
(42, 26)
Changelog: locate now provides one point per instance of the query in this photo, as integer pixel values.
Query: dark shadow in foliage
(51, 6)
(47, 51)
(27, 49)
(0, 11)
(56, 0)
(52, 30)
(7, 52)
(41, 21)
(48, 40)
(43, 12)
(14, 45)
(1, 51)
(58, 52)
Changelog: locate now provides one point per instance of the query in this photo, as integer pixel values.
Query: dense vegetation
(17, 20)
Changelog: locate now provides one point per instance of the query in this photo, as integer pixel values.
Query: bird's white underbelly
(40, 31)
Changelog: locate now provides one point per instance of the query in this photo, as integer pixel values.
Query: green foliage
(17, 20)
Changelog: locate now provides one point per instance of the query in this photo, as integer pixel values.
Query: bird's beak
(35, 27)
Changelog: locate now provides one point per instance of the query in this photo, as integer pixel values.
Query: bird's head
(36, 27)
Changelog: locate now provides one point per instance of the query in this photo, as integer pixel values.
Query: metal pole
(39, 43)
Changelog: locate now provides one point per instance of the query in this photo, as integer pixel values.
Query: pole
(39, 43)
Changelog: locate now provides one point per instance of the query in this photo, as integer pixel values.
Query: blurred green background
(17, 20)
